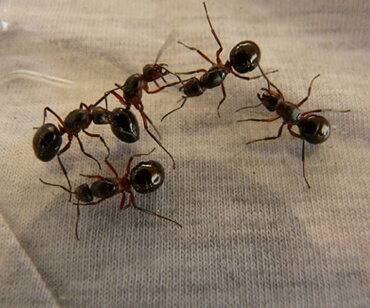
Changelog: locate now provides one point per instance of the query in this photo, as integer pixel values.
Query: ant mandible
(243, 58)
(144, 178)
(314, 129)
(133, 91)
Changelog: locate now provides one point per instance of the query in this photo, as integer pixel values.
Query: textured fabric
(253, 233)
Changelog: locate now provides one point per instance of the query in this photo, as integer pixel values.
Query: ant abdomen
(147, 176)
(46, 142)
(245, 56)
(125, 125)
(314, 128)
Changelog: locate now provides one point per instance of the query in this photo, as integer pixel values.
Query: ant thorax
(290, 113)
(133, 86)
(214, 77)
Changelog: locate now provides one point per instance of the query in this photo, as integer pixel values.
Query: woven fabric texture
(253, 233)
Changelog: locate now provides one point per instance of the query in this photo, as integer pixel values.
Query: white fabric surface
(253, 234)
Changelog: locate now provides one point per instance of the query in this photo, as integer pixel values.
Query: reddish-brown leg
(87, 154)
(101, 139)
(178, 108)
(269, 138)
(123, 200)
(260, 120)
(155, 138)
(132, 200)
(128, 167)
(219, 104)
(65, 148)
(52, 112)
(303, 152)
(309, 92)
(198, 51)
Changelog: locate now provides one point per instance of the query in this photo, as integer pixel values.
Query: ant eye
(147, 176)
(245, 56)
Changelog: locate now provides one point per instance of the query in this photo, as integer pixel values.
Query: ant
(243, 58)
(48, 138)
(313, 128)
(133, 91)
(144, 178)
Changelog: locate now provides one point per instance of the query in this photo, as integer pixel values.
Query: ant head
(125, 126)
(270, 99)
(152, 72)
(147, 176)
(314, 128)
(245, 56)
(83, 193)
(46, 142)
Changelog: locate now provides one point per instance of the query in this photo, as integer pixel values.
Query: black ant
(48, 138)
(133, 91)
(144, 178)
(312, 128)
(243, 58)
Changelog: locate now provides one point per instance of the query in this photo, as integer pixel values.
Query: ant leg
(269, 138)
(77, 219)
(56, 185)
(151, 123)
(83, 105)
(219, 104)
(91, 203)
(214, 35)
(98, 177)
(309, 91)
(132, 200)
(122, 205)
(53, 113)
(101, 139)
(104, 97)
(66, 147)
(87, 154)
(182, 105)
(248, 107)
(260, 120)
(163, 87)
(321, 110)
(198, 51)
(303, 162)
(253, 77)
(111, 167)
(128, 167)
(121, 100)
(201, 70)
(303, 152)
(155, 138)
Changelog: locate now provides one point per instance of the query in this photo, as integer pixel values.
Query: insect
(243, 58)
(133, 91)
(48, 138)
(313, 128)
(145, 177)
